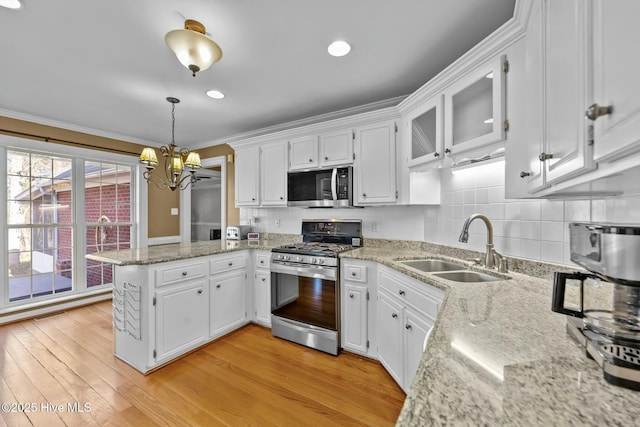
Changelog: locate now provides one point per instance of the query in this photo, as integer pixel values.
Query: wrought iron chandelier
(175, 161)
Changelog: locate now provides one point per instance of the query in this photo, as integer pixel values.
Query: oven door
(305, 294)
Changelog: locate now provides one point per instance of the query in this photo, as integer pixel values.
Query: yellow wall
(160, 221)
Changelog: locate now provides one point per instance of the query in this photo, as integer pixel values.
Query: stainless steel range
(305, 283)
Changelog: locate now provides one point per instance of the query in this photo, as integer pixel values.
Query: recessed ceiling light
(11, 4)
(339, 48)
(215, 94)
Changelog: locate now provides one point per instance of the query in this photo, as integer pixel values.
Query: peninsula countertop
(498, 355)
(179, 251)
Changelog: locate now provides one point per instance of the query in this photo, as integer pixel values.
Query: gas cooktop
(314, 248)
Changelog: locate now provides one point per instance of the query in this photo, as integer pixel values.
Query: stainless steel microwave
(324, 188)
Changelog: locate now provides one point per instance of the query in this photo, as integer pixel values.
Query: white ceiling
(103, 67)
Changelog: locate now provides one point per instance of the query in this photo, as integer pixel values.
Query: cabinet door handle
(230, 264)
(263, 279)
(326, 158)
(184, 273)
(253, 199)
(353, 273)
(401, 292)
(218, 286)
(524, 174)
(281, 198)
(447, 151)
(594, 111)
(545, 156)
(199, 291)
(310, 160)
(350, 295)
(394, 315)
(261, 261)
(407, 327)
(364, 194)
(436, 154)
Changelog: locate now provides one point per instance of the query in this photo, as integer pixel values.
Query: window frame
(78, 156)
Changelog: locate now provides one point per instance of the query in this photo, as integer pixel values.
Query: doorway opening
(204, 205)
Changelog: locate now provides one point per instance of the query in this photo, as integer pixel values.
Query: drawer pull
(394, 315)
(350, 295)
(184, 273)
(401, 292)
(261, 261)
(230, 264)
(407, 327)
(353, 273)
(218, 286)
(199, 291)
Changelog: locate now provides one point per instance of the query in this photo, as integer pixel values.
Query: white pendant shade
(193, 49)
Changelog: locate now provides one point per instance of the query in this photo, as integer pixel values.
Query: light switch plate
(174, 211)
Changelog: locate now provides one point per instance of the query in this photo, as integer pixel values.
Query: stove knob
(285, 257)
(313, 260)
(278, 257)
(298, 259)
(320, 261)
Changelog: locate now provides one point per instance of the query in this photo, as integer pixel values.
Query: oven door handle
(327, 273)
(334, 183)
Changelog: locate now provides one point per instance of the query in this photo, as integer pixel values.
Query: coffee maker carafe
(605, 302)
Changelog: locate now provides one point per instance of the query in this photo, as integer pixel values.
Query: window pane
(18, 187)
(62, 168)
(41, 166)
(124, 237)
(18, 212)
(18, 163)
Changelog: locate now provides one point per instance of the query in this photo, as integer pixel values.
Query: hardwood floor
(246, 378)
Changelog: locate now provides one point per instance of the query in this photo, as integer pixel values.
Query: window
(39, 219)
(60, 207)
(107, 201)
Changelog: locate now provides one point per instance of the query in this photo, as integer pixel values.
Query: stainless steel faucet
(490, 256)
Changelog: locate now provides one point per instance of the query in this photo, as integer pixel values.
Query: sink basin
(429, 265)
(467, 276)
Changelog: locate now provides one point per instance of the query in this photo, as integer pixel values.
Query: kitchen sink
(430, 265)
(467, 276)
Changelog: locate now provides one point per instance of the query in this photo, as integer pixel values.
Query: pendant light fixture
(175, 161)
(192, 47)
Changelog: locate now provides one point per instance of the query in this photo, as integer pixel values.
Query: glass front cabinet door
(475, 108)
(426, 133)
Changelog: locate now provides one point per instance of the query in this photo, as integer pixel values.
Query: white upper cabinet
(273, 172)
(475, 108)
(336, 148)
(615, 76)
(554, 146)
(303, 153)
(426, 133)
(375, 167)
(248, 176)
(582, 114)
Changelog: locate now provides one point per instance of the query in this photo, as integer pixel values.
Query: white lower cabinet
(181, 318)
(407, 309)
(262, 288)
(358, 295)
(162, 311)
(227, 303)
(390, 336)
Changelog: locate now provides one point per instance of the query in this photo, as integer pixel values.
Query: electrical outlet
(174, 211)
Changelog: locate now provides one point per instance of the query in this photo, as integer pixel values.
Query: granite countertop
(498, 355)
(177, 251)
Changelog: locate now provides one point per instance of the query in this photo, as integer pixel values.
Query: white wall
(535, 229)
(384, 222)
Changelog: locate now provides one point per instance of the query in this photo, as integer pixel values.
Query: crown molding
(305, 125)
(503, 37)
(76, 128)
(389, 113)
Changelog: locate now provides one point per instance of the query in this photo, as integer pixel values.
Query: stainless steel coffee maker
(605, 301)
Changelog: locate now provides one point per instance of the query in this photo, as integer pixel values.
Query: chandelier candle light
(175, 160)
